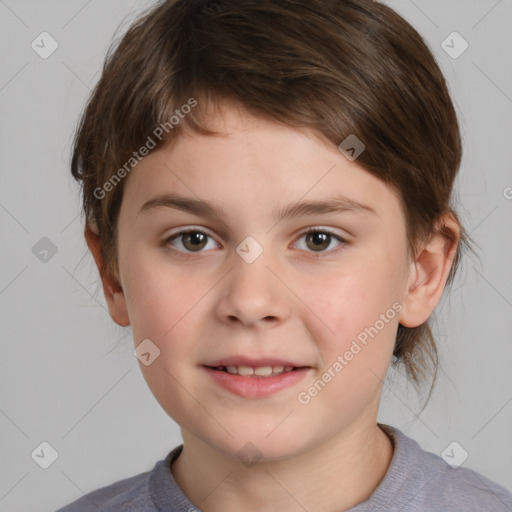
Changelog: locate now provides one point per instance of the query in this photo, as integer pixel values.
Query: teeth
(263, 371)
(245, 370)
(260, 371)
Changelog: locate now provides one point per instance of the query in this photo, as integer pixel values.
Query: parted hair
(338, 67)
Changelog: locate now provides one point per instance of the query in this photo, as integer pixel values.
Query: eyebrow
(200, 207)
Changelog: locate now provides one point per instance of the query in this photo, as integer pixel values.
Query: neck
(332, 476)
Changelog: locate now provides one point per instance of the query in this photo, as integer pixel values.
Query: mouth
(255, 377)
(255, 371)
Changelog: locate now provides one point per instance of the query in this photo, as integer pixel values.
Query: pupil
(320, 240)
(195, 240)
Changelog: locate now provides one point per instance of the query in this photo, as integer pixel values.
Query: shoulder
(426, 482)
(133, 493)
(461, 488)
(128, 491)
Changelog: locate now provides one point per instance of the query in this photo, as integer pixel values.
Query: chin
(262, 443)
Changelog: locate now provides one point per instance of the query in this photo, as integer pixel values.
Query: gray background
(67, 372)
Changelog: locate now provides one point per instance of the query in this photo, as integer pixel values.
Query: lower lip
(255, 386)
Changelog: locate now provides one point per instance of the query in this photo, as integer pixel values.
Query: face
(245, 285)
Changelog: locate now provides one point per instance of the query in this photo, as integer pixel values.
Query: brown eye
(318, 241)
(194, 240)
(189, 241)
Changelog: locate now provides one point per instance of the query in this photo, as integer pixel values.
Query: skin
(292, 302)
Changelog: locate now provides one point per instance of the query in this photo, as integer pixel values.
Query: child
(267, 190)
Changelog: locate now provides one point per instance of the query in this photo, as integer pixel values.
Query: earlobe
(114, 294)
(429, 273)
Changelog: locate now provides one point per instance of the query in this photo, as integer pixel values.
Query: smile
(258, 371)
(255, 382)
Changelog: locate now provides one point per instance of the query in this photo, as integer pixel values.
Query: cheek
(359, 311)
(363, 314)
(165, 310)
(159, 298)
(348, 302)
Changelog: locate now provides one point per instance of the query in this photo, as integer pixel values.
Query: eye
(317, 240)
(194, 241)
(191, 240)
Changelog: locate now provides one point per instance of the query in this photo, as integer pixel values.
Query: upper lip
(253, 362)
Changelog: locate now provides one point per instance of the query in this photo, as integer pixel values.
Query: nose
(253, 294)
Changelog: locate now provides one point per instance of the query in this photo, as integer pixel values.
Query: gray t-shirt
(416, 481)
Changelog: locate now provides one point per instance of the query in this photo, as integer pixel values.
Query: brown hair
(339, 67)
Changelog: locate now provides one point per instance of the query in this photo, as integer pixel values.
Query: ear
(429, 273)
(112, 289)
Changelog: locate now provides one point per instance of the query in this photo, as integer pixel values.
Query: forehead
(251, 163)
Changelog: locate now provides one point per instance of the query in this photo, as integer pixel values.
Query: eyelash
(342, 240)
